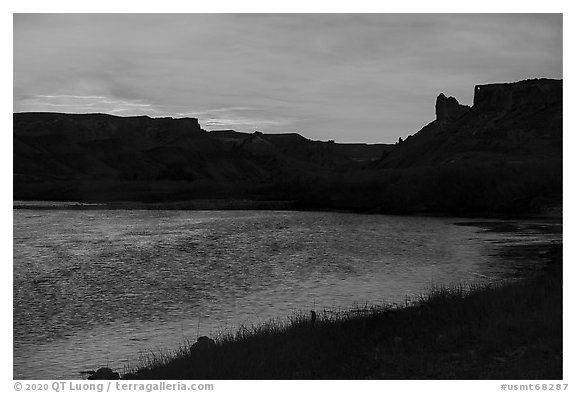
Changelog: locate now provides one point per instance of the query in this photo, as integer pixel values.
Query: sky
(346, 77)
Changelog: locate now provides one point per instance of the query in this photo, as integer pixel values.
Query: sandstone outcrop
(448, 108)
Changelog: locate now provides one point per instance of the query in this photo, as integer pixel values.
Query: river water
(97, 288)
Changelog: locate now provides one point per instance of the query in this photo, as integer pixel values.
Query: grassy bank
(502, 331)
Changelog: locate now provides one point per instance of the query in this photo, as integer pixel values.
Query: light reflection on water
(97, 287)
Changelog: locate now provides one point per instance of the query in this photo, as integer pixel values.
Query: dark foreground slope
(504, 331)
(502, 156)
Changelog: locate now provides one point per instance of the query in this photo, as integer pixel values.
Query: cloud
(82, 103)
(209, 112)
(244, 124)
(349, 77)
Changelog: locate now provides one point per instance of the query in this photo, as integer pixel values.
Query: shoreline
(552, 214)
(511, 329)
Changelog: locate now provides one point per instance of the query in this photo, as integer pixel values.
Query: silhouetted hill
(295, 146)
(520, 121)
(51, 145)
(104, 157)
(502, 155)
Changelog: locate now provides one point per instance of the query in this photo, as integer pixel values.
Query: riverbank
(550, 214)
(511, 330)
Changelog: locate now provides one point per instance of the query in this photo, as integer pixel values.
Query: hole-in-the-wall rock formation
(448, 108)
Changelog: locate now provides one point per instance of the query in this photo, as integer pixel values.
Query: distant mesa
(505, 96)
(94, 126)
(503, 154)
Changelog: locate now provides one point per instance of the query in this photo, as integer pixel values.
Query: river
(104, 287)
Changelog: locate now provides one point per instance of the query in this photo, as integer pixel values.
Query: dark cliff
(98, 126)
(104, 157)
(507, 96)
(502, 156)
(511, 119)
(55, 145)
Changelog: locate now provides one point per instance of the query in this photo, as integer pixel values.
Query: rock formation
(203, 343)
(522, 118)
(104, 373)
(99, 126)
(505, 96)
(502, 154)
(448, 108)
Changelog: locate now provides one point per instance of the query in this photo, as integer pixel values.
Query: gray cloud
(349, 77)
